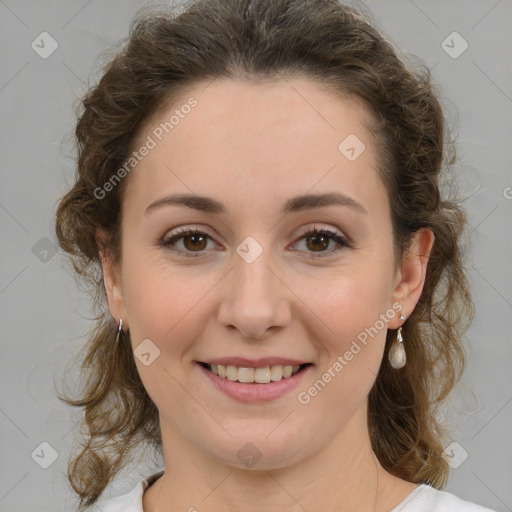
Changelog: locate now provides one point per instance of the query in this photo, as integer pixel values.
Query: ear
(112, 281)
(410, 277)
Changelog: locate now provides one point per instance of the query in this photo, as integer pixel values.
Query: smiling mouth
(262, 375)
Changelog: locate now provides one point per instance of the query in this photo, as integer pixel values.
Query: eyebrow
(295, 204)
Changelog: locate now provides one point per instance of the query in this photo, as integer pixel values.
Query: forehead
(263, 109)
(258, 138)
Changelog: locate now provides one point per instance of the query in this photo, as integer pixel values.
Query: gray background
(44, 316)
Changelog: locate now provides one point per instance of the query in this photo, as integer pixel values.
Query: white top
(423, 499)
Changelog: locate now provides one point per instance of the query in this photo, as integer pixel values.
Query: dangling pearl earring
(396, 354)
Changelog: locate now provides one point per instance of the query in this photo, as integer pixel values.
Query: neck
(343, 475)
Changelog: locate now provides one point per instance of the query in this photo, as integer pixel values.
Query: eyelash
(166, 242)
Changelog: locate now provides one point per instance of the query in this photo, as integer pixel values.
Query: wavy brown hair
(337, 46)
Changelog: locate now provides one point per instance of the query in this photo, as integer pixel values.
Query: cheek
(162, 302)
(352, 345)
(349, 300)
(353, 305)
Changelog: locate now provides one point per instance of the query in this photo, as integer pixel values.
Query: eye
(317, 240)
(194, 241)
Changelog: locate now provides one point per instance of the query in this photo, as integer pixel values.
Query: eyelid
(317, 228)
(185, 230)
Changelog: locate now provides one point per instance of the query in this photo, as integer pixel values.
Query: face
(266, 279)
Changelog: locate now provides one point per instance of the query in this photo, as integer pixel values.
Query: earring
(396, 354)
(119, 330)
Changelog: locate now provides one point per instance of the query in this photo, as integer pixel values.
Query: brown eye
(318, 242)
(194, 242)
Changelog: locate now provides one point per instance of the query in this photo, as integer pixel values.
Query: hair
(337, 46)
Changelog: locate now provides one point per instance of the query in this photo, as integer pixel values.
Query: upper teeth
(260, 375)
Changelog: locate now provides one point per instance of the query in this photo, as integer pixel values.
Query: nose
(255, 300)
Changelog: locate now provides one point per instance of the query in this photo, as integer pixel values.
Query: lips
(261, 371)
(242, 362)
(255, 385)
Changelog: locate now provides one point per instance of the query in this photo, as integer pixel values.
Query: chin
(260, 451)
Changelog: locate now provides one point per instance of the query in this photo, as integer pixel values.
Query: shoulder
(131, 502)
(428, 499)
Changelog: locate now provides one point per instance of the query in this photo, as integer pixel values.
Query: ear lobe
(413, 272)
(111, 280)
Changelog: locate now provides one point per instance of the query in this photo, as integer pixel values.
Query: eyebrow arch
(295, 204)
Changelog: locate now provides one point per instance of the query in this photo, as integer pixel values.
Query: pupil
(194, 244)
(319, 238)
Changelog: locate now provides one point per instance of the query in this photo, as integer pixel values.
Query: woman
(258, 201)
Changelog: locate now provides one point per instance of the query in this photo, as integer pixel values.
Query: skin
(252, 146)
